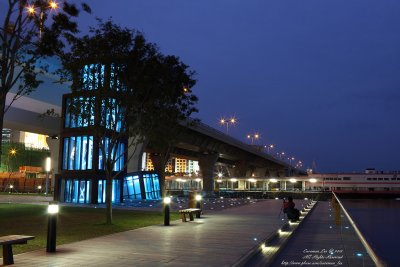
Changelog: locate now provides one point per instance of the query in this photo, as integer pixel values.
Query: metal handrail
(378, 262)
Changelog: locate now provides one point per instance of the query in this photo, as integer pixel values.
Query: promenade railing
(349, 229)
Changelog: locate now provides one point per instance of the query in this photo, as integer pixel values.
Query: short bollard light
(167, 202)
(198, 204)
(52, 212)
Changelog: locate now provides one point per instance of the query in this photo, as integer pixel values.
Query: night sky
(319, 79)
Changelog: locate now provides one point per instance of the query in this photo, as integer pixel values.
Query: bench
(190, 212)
(7, 241)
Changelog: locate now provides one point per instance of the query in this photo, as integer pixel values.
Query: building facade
(92, 119)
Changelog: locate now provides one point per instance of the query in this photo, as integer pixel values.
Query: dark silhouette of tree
(125, 92)
(30, 31)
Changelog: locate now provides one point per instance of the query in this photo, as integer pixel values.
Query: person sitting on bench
(292, 213)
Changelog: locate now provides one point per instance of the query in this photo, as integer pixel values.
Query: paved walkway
(219, 238)
(319, 241)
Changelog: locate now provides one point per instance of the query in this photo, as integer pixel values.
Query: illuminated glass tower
(81, 177)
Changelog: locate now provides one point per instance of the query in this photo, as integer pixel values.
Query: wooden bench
(190, 212)
(8, 241)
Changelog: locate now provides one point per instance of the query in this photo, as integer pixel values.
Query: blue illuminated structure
(82, 178)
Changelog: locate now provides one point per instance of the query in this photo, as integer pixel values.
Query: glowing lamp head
(167, 200)
(39, 187)
(313, 180)
(219, 175)
(30, 10)
(273, 180)
(198, 197)
(292, 180)
(48, 164)
(53, 5)
(53, 209)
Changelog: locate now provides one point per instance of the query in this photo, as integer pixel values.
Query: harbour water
(379, 221)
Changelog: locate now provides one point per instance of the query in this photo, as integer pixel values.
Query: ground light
(167, 202)
(52, 213)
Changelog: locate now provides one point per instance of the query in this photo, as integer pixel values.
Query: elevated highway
(200, 142)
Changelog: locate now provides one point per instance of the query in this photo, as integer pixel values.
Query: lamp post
(52, 211)
(253, 137)
(47, 169)
(167, 202)
(43, 6)
(290, 165)
(268, 147)
(280, 155)
(226, 122)
(12, 152)
(198, 198)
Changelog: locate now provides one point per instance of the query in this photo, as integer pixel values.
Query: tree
(125, 92)
(25, 38)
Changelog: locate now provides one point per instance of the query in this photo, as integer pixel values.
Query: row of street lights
(254, 137)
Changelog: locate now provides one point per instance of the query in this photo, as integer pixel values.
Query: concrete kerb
(308, 210)
(285, 226)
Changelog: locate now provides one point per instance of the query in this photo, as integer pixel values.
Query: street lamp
(167, 202)
(253, 137)
(47, 169)
(12, 152)
(198, 199)
(281, 154)
(268, 147)
(43, 6)
(52, 211)
(226, 122)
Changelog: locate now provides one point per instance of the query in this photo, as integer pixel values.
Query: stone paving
(220, 238)
(322, 241)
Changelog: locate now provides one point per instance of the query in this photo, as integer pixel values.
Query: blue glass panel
(78, 154)
(75, 191)
(88, 188)
(90, 156)
(156, 182)
(136, 186)
(67, 192)
(84, 152)
(132, 187)
(116, 195)
(65, 154)
(71, 155)
(100, 192)
(82, 192)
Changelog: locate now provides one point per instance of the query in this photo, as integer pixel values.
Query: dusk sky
(319, 79)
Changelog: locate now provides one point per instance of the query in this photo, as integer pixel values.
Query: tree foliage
(29, 31)
(139, 93)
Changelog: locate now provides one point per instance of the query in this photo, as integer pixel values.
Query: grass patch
(74, 223)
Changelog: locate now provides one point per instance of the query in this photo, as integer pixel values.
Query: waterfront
(378, 220)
